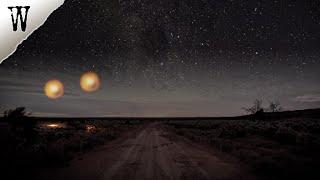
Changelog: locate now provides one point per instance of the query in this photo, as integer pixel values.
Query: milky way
(170, 57)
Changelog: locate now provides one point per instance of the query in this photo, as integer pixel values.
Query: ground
(152, 152)
(279, 146)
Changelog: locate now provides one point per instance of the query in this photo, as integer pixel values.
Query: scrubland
(276, 149)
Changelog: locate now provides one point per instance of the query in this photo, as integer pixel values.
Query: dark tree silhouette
(256, 110)
(19, 112)
(18, 119)
(256, 107)
(275, 107)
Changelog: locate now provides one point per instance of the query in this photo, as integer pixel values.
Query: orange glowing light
(90, 127)
(53, 125)
(90, 81)
(54, 89)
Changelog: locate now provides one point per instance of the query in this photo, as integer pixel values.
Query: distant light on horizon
(90, 128)
(53, 125)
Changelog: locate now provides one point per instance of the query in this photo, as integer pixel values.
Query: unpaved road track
(152, 153)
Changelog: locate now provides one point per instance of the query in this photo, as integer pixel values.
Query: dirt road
(152, 153)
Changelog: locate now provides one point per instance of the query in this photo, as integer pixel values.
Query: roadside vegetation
(28, 143)
(278, 145)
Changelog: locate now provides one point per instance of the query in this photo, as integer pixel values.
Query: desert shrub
(268, 131)
(310, 143)
(233, 131)
(278, 149)
(286, 135)
(110, 134)
(313, 127)
(77, 124)
(18, 120)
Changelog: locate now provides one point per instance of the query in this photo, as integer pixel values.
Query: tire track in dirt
(154, 153)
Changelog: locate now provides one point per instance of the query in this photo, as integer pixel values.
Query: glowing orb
(90, 81)
(54, 89)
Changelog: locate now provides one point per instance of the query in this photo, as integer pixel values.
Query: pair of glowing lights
(89, 82)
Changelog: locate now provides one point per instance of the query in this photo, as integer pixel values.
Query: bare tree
(275, 107)
(256, 107)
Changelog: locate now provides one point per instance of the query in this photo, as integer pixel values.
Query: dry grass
(287, 148)
(54, 144)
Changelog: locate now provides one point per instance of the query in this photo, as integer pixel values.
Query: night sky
(169, 58)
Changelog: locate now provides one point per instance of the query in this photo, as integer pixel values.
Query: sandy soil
(153, 152)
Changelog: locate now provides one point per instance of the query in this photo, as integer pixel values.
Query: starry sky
(169, 58)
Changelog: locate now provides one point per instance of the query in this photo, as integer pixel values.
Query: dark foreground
(152, 153)
(277, 147)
